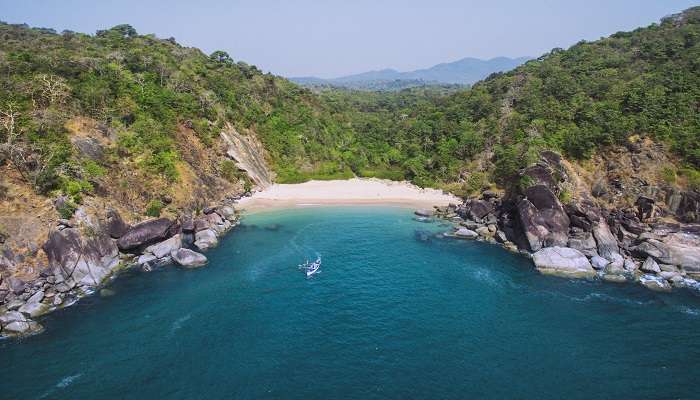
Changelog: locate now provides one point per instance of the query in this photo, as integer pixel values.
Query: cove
(396, 312)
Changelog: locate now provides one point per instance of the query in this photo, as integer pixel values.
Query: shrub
(668, 175)
(67, 209)
(154, 208)
(229, 171)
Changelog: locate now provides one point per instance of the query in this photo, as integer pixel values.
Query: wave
(177, 325)
(62, 384)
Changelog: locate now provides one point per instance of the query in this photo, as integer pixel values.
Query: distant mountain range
(462, 72)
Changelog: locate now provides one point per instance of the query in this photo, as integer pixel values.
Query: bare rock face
(686, 205)
(563, 261)
(84, 260)
(543, 219)
(249, 155)
(145, 233)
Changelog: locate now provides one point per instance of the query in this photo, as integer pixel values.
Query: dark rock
(89, 147)
(542, 218)
(489, 194)
(201, 224)
(145, 233)
(645, 207)
(116, 227)
(634, 226)
(187, 224)
(208, 210)
(478, 209)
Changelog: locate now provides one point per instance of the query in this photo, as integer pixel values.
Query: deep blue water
(390, 316)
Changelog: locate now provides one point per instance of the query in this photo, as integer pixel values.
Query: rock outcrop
(542, 218)
(79, 259)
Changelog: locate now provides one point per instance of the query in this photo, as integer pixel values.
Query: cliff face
(249, 155)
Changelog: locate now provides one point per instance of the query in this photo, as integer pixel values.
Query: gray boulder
(16, 285)
(14, 323)
(205, 239)
(599, 262)
(145, 233)
(34, 309)
(563, 261)
(188, 258)
(607, 244)
(227, 212)
(164, 248)
(85, 260)
(650, 266)
(464, 233)
(423, 213)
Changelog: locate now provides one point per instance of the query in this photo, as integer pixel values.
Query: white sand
(354, 191)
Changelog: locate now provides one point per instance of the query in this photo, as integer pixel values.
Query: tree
(221, 56)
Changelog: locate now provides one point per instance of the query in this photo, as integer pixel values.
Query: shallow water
(396, 312)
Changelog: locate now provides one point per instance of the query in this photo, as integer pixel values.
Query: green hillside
(644, 83)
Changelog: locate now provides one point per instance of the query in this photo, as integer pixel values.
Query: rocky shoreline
(645, 243)
(87, 251)
(650, 243)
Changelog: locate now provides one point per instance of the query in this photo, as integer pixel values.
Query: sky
(330, 38)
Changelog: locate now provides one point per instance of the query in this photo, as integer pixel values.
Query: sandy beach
(356, 191)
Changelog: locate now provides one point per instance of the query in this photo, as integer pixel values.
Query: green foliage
(154, 208)
(475, 182)
(643, 83)
(668, 175)
(67, 209)
(229, 171)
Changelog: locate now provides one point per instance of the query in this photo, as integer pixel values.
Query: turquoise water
(395, 313)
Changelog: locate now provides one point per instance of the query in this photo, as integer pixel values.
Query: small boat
(312, 268)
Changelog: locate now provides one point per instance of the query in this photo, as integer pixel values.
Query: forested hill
(143, 93)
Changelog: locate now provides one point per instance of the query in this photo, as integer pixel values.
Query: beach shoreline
(351, 192)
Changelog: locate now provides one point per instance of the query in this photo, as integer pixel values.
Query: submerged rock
(563, 261)
(188, 258)
(655, 283)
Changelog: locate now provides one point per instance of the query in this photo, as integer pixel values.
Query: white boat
(312, 268)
